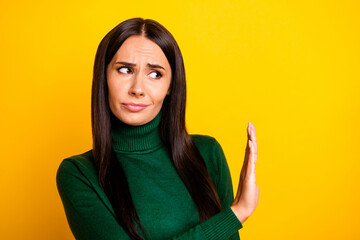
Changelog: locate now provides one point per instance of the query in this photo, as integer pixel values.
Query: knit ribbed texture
(221, 225)
(127, 138)
(162, 201)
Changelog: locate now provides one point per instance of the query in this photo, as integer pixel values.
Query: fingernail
(250, 144)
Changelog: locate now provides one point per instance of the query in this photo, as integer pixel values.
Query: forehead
(137, 48)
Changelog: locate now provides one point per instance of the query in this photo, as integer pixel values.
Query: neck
(128, 138)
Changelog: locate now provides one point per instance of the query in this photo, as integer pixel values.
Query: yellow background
(289, 67)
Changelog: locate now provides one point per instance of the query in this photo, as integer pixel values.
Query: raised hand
(247, 195)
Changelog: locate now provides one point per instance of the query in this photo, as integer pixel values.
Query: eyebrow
(133, 65)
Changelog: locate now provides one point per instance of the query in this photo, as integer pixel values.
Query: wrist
(239, 214)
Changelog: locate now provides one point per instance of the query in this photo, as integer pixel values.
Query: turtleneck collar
(127, 138)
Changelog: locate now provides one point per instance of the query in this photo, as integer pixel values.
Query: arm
(89, 218)
(220, 226)
(223, 182)
(224, 225)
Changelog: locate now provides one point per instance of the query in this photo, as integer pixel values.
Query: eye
(124, 70)
(155, 74)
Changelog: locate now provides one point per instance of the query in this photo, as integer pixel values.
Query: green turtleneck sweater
(162, 201)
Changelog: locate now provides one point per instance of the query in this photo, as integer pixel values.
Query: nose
(137, 88)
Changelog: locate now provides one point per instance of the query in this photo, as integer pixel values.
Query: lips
(135, 107)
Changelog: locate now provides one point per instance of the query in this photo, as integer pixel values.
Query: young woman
(146, 177)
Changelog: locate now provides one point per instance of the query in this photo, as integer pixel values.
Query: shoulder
(78, 166)
(82, 161)
(217, 166)
(210, 149)
(205, 142)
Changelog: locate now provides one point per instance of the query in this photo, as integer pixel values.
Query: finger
(244, 166)
(244, 169)
(246, 158)
(252, 158)
(252, 132)
(255, 147)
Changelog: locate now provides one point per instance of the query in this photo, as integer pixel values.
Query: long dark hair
(186, 157)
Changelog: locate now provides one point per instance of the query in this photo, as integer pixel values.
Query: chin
(134, 120)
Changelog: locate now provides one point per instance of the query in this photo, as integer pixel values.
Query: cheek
(158, 94)
(115, 92)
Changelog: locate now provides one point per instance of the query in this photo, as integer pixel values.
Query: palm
(247, 195)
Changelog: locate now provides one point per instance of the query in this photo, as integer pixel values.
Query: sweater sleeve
(225, 224)
(223, 182)
(89, 218)
(221, 226)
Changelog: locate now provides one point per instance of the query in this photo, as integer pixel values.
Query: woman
(146, 177)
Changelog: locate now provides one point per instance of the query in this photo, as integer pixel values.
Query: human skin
(138, 82)
(247, 195)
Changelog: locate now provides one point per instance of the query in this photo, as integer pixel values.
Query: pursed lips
(135, 107)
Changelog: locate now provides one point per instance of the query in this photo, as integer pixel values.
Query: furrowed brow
(133, 65)
(155, 66)
(126, 63)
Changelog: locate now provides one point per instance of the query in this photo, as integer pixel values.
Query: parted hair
(186, 157)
